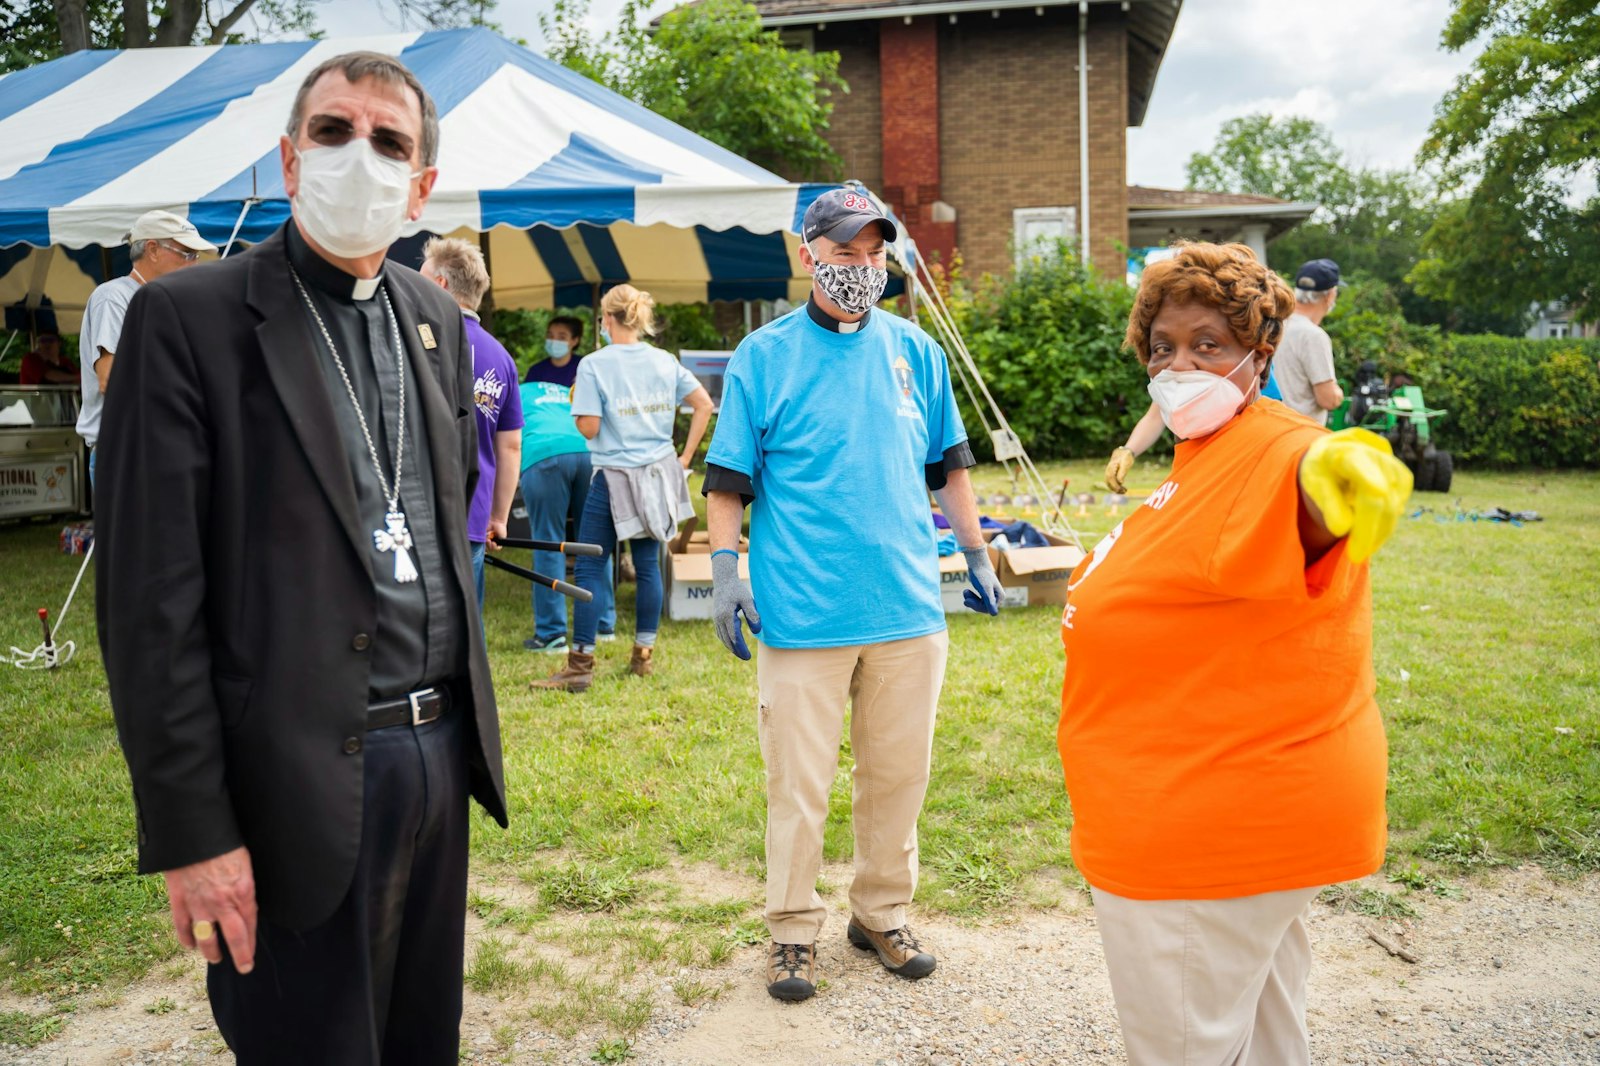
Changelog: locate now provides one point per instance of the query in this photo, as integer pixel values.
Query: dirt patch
(1507, 973)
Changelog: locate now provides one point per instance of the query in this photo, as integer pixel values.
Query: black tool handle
(566, 547)
(581, 595)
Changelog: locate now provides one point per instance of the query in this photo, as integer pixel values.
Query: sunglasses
(331, 131)
(188, 255)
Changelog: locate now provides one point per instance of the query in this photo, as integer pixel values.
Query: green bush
(1509, 401)
(1048, 341)
(1517, 402)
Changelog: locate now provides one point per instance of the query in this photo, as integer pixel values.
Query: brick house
(966, 116)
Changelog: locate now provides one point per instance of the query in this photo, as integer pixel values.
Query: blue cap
(841, 214)
(1319, 275)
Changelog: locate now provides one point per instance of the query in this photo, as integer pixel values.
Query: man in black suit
(286, 602)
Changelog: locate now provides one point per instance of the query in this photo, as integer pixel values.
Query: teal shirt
(547, 425)
(835, 432)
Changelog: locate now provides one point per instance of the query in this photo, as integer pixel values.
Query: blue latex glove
(730, 598)
(986, 600)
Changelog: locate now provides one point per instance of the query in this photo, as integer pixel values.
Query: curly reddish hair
(1228, 277)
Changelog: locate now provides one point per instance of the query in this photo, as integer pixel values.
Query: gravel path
(1507, 974)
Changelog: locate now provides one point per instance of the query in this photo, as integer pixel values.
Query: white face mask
(1197, 403)
(352, 201)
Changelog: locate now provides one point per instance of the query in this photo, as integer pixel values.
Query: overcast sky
(1371, 70)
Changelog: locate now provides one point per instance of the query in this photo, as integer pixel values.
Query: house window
(1558, 331)
(1036, 231)
(799, 40)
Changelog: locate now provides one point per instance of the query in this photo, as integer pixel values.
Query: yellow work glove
(1117, 469)
(1358, 485)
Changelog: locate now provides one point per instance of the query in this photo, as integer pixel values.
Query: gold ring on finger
(203, 930)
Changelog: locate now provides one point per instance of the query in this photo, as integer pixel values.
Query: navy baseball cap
(841, 214)
(1319, 275)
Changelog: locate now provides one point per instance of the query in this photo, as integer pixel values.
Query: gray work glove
(731, 597)
(981, 573)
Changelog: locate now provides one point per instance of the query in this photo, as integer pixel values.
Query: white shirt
(102, 328)
(1303, 361)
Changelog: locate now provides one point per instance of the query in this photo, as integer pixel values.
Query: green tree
(711, 67)
(33, 31)
(1369, 220)
(1518, 132)
(1291, 158)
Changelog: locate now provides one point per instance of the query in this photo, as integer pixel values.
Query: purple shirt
(545, 370)
(499, 404)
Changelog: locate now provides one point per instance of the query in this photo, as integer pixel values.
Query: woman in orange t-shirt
(1217, 790)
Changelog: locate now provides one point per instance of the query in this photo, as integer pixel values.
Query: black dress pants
(380, 981)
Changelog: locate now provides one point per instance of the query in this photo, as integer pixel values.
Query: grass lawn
(1487, 652)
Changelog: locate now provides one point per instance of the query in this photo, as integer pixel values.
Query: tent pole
(239, 222)
(486, 306)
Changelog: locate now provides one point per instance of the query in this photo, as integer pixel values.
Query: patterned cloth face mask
(853, 289)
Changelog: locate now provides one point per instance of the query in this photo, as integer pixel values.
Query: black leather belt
(414, 708)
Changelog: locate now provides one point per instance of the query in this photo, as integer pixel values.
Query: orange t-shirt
(1218, 728)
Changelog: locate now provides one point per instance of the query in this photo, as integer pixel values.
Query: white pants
(1215, 982)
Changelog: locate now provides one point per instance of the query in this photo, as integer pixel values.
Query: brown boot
(643, 663)
(576, 676)
(897, 949)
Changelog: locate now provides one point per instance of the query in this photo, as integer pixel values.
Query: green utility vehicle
(1400, 416)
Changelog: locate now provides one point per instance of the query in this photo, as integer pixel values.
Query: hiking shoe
(576, 676)
(897, 949)
(791, 971)
(556, 645)
(643, 663)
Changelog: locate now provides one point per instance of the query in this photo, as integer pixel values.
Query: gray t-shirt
(102, 325)
(635, 389)
(1304, 361)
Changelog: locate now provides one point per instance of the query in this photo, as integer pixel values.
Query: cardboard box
(1043, 572)
(689, 580)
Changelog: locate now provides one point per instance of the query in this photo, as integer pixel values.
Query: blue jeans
(553, 491)
(597, 528)
(478, 551)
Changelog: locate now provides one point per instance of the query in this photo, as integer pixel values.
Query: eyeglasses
(331, 131)
(188, 255)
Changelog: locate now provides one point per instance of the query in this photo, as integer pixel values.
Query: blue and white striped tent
(578, 187)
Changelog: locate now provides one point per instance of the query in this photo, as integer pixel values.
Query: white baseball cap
(166, 226)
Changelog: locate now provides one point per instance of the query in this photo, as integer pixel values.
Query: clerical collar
(828, 322)
(324, 275)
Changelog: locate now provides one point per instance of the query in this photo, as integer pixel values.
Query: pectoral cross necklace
(394, 536)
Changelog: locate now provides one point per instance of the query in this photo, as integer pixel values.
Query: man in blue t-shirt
(836, 421)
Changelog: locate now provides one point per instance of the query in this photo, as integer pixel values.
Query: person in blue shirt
(836, 422)
(625, 401)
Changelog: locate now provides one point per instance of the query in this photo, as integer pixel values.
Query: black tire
(1444, 468)
(1421, 475)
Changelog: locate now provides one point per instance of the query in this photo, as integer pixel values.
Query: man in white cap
(159, 243)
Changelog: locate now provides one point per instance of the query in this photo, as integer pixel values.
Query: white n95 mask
(1197, 403)
(352, 201)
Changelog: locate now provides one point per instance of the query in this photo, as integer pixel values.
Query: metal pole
(1083, 128)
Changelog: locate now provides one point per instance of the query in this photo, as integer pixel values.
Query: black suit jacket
(234, 583)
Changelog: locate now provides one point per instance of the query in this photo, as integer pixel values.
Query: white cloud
(1370, 70)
